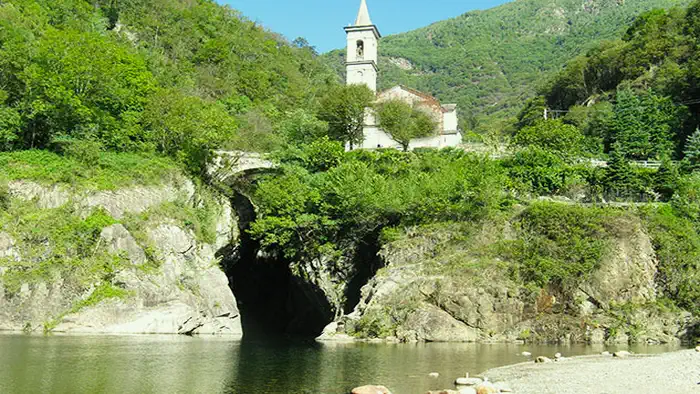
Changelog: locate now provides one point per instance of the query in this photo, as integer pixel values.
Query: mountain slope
(490, 61)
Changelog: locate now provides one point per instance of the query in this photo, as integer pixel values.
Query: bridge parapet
(229, 165)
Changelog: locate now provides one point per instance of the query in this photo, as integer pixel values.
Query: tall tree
(692, 151)
(643, 124)
(344, 109)
(404, 122)
(619, 177)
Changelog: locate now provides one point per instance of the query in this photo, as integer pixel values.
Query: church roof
(363, 18)
(426, 97)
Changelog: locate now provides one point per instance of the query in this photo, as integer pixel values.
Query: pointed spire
(363, 16)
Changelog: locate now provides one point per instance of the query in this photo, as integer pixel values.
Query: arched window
(360, 50)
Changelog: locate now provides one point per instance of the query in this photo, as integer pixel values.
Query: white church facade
(362, 68)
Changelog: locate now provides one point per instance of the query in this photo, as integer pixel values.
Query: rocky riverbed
(677, 372)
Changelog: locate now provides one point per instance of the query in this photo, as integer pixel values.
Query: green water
(170, 364)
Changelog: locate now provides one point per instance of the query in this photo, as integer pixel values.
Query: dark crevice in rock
(272, 301)
(367, 263)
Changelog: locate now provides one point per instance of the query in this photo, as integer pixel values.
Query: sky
(321, 22)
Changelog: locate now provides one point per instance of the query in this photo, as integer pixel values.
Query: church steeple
(363, 18)
(362, 57)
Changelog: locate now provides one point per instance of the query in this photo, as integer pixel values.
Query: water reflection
(169, 364)
(115, 365)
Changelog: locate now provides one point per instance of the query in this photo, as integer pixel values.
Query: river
(172, 364)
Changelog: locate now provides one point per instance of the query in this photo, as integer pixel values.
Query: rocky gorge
(443, 283)
(176, 258)
(160, 278)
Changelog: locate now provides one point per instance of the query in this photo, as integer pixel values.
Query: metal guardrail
(502, 151)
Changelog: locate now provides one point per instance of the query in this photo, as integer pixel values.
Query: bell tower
(362, 59)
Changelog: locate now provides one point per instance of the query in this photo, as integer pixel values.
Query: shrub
(677, 246)
(560, 244)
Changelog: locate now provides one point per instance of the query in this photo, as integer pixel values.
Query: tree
(532, 112)
(187, 128)
(692, 151)
(619, 177)
(404, 122)
(666, 179)
(553, 136)
(344, 108)
(83, 85)
(301, 127)
(643, 125)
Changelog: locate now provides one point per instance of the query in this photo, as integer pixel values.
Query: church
(362, 68)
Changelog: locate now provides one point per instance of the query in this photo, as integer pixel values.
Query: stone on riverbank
(697, 349)
(487, 388)
(370, 389)
(467, 381)
(622, 354)
(542, 360)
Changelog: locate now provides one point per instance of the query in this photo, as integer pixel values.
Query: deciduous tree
(344, 109)
(404, 122)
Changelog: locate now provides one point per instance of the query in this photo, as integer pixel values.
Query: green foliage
(625, 182)
(619, 174)
(179, 77)
(302, 127)
(187, 128)
(319, 155)
(561, 245)
(537, 170)
(553, 136)
(532, 112)
(649, 75)
(677, 246)
(642, 125)
(199, 216)
(56, 243)
(692, 151)
(112, 170)
(303, 212)
(666, 179)
(686, 201)
(404, 122)
(593, 121)
(344, 108)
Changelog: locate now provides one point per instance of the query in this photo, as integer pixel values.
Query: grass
(56, 243)
(103, 292)
(199, 217)
(110, 172)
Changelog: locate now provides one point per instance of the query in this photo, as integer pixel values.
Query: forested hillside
(638, 96)
(490, 61)
(176, 77)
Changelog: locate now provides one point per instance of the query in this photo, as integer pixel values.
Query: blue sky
(321, 22)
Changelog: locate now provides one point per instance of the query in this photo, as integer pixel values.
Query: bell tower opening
(360, 50)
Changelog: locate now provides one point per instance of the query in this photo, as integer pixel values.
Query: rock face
(170, 281)
(118, 240)
(421, 295)
(116, 203)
